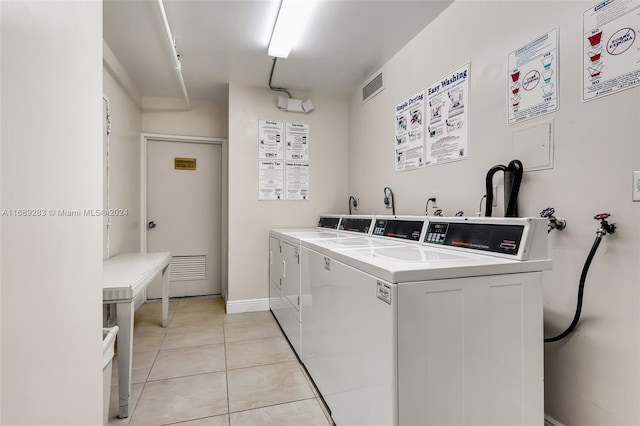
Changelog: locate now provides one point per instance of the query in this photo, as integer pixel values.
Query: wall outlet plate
(636, 186)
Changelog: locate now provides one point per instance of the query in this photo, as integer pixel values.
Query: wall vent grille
(189, 268)
(372, 87)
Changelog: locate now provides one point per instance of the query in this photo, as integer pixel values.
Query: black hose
(278, 89)
(583, 277)
(426, 209)
(514, 169)
(488, 206)
(513, 178)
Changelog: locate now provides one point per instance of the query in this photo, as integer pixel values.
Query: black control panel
(355, 224)
(496, 238)
(395, 228)
(328, 222)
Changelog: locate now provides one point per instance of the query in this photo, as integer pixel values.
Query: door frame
(106, 131)
(224, 243)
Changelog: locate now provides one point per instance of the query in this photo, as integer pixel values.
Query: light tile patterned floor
(212, 369)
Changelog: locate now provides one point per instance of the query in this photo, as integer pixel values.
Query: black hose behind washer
(583, 278)
(512, 177)
(605, 228)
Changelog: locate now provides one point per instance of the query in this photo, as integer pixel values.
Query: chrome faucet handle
(558, 223)
(548, 212)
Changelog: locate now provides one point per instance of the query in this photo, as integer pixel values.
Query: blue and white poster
(610, 48)
(409, 125)
(447, 118)
(532, 79)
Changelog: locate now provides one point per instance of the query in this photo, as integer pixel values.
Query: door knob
(151, 225)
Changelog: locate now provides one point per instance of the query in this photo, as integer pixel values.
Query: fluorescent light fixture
(292, 17)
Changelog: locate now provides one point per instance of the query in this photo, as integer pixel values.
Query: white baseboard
(550, 421)
(247, 305)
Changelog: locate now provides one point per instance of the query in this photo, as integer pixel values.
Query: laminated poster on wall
(297, 141)
(297, 181)
(270, 180)
(532, 79)
(409, 142)
(271, 139)
(610, 48)
(448, 117)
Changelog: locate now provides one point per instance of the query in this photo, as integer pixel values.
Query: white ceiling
(222, 42)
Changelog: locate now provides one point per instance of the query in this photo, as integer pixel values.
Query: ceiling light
(292, 17)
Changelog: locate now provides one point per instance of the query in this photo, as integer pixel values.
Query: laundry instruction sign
(283, 161)
(410, 132)
(610, 47)
(532, 78)
(432, 126)
(447, 117)
(271, 140)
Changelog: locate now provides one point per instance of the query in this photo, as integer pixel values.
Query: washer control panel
(398, 228)
(355, 224)
(330, 222)
(495, 238)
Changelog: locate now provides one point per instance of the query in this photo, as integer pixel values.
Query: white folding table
(123, 277)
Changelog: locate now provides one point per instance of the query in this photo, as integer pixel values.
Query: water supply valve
(558, 223)
(605, 227)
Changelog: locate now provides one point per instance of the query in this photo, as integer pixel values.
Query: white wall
(51, 107)
(249, 219)
(124, 157)
(170, 116)
(591, 378)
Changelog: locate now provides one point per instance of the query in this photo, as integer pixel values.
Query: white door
(184, 213)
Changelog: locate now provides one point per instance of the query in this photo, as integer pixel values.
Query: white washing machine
(448, 331)
(284, 267)
(285, 291)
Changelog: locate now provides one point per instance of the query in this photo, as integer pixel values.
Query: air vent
(188, 268)
(373, 86)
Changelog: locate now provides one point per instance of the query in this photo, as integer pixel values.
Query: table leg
(125, 348)
(165, 296)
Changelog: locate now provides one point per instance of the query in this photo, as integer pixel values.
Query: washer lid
(296, 235)
(411, 263)
(328, 245)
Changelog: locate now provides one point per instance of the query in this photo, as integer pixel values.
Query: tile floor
(210, 368)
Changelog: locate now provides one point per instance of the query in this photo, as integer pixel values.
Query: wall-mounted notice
(448, 117)
(532, 79)
(276, 141)
(409, 144)
(297, 175)
(297, 139)
(271, 139)
(270, 180)
(610, 48)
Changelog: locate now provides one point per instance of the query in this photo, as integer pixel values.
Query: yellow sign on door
(184, 163)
